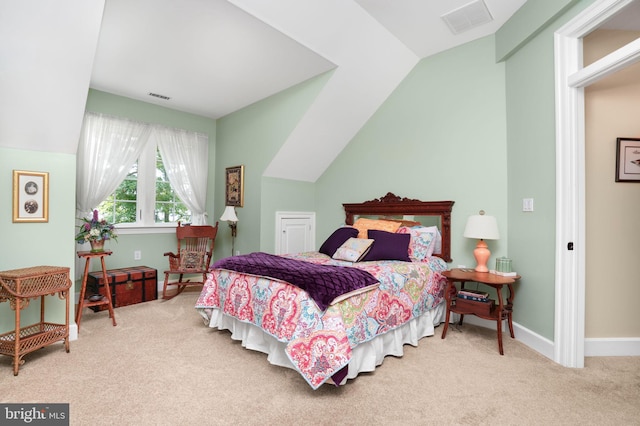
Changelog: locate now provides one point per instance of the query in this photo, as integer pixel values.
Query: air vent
(156, 95)
(468, 16)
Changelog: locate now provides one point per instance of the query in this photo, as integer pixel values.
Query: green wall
(440, 136)
(152, 245)
(526, 23)
(34, 244)
(531, 153)
(282, 195)
(252, 137)
(531, 158)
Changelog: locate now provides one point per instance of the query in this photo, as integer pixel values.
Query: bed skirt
(365, 357)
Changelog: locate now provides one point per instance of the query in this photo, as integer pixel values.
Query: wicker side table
(19, 286)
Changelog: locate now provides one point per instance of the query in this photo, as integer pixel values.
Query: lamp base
(482, 254)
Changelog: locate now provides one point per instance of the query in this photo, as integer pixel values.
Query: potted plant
(95, 231)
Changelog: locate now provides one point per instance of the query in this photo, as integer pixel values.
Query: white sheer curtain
(107, 149)
(186, 160)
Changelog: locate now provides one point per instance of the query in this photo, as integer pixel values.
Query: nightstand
(493, 312)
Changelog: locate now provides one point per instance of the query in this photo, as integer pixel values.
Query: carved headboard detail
(392, 205)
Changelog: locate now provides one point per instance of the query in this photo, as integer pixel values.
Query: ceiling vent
(156, 95)
(468, 16)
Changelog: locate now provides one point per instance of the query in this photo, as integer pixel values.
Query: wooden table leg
(510, 311)
(500, 337)
(108, 291)
(500, 318)
(66, 317)
(447, 298)
(16, 348)
(83, 289)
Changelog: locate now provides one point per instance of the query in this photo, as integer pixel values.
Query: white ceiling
(213, 57)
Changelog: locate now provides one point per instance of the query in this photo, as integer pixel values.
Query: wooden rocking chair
(195, 249)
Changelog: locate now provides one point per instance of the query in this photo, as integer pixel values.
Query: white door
(295, 232)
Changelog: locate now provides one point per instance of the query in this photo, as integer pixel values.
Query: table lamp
(482, 227)
(229, 215)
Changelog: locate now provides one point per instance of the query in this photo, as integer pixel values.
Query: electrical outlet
(527, 204)
(237, 252)
(137, 255)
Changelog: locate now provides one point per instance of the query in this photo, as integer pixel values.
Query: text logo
(34, 414)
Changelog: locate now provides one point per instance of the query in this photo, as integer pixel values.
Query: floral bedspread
(319, 343)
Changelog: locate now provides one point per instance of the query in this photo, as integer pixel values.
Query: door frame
(570, 80)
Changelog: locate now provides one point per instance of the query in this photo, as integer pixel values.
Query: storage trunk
(128, 285)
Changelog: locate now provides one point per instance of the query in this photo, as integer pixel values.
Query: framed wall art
(234, 186)
(30, 196)
(628, 160)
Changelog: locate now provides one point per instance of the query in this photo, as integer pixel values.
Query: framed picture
(628, 160)
(30, 196)
(234, 187)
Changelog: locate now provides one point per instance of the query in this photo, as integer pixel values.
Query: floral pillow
(437, 243)
(353, 249)
(423, 241)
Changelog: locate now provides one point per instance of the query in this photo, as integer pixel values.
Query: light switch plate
(527, 204)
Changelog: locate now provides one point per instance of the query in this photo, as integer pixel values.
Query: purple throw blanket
(323, 283)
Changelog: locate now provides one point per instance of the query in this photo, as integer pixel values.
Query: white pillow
(437, 241)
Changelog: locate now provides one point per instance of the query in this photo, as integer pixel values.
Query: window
(145, 197)
(168, 206)
(122, 155)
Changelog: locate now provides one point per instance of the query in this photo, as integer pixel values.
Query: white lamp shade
(229, 214)
(482, 227)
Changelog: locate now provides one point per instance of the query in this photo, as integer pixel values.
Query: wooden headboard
(392, 205)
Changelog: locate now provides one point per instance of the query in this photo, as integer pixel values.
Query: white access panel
(295, 232)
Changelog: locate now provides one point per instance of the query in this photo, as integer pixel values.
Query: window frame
(145, 199)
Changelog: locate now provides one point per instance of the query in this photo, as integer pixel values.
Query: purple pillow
(388, 246)
(337, 239)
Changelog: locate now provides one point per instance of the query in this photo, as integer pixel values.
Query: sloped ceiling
(46, 56)
(213, 57)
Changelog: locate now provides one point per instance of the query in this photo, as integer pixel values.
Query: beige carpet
(162, 366)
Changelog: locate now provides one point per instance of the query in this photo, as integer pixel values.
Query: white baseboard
(73, 332)
(614, 346)
(533, 340)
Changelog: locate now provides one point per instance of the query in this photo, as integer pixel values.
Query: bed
(389, 298)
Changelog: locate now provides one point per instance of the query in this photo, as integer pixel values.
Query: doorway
(571, 79)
